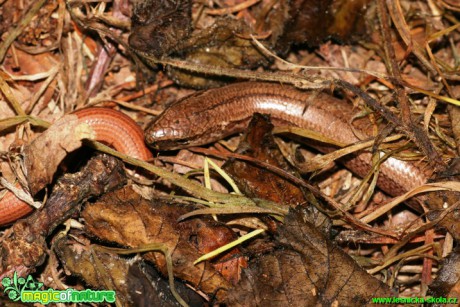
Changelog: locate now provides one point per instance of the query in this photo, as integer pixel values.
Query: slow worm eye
(183, 142)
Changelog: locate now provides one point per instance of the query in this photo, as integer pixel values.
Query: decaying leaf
(127, 219)
(256, 181)
(64, 136)
(305, 269)
(134, 282)
(447, 283)
(437, 202)
(305, 266)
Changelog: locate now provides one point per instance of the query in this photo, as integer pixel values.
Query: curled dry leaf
(209, 238)
(64, 136)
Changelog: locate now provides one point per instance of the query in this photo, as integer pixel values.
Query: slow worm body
(214, 114)
(112, 128)
(116, 130)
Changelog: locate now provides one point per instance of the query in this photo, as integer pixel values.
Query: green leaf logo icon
(11, 286)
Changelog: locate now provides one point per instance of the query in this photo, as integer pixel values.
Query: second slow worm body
(214, 114)
(110, 127)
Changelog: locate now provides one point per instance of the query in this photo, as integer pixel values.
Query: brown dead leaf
(447, 284)
(134, 282)
(127, 219)
(255, 181)
(46, 152)
(306, 269)
(211, 237)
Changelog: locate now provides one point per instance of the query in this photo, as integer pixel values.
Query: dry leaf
(306, 269)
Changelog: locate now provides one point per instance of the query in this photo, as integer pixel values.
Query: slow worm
(211, 115)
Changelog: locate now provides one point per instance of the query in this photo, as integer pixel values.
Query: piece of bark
(306, 269)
